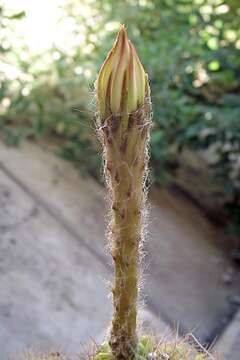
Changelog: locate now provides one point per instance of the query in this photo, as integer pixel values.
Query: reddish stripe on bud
(122, 82)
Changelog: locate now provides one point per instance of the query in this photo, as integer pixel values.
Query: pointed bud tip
(121, 83)
(122, 28)
(122, 31)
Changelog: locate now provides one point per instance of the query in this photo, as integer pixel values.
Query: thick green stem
(125, 150)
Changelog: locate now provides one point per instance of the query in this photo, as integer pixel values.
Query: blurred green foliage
(191, 50)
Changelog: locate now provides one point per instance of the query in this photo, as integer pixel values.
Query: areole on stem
(123, 122)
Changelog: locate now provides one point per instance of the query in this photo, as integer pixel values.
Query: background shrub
(190, 49)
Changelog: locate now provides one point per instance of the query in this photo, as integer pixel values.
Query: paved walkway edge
(228, 345)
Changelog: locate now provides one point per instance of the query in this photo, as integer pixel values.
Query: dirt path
(54, 264)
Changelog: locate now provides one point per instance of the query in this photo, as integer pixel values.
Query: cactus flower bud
(121, 82)
(124, 121)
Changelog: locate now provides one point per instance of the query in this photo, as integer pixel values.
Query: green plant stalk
(124, 122)
(126, 177)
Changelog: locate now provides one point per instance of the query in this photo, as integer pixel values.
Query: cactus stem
(124, 122)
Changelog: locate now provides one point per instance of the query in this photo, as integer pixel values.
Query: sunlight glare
(44, 26)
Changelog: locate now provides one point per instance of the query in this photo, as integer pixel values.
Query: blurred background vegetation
(51, 51)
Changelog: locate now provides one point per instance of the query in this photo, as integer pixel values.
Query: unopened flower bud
(122, 82)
